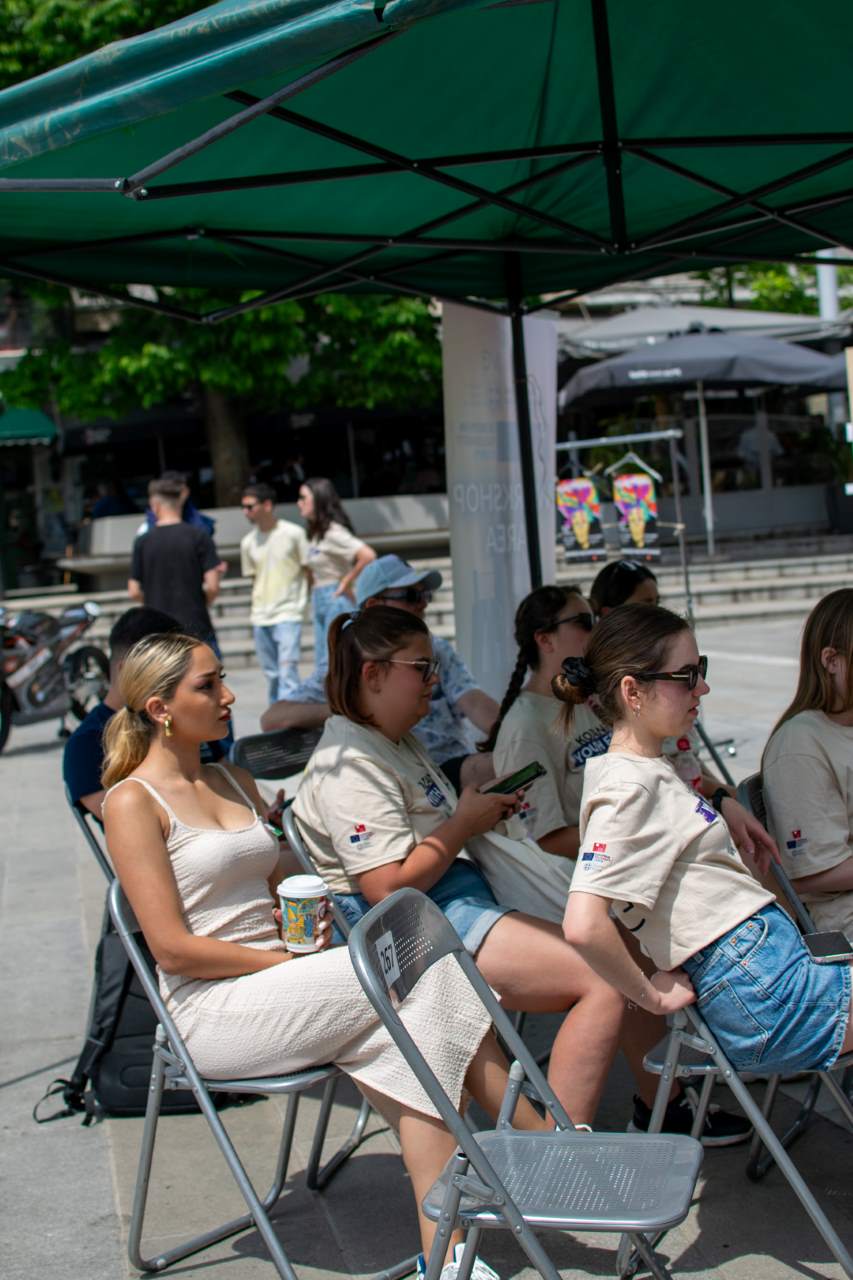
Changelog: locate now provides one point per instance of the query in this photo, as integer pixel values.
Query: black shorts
(452, 770)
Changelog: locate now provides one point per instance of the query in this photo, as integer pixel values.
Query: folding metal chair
(750, 793)
(92, 832)
(173, 1068)
(689, 1031)
(279, 754)
(503, 1178)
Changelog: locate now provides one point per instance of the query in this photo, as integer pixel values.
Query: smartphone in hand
(518, 781)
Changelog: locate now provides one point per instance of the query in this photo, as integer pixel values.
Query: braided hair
(537, 612)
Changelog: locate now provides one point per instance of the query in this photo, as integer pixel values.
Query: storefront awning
(26, 426)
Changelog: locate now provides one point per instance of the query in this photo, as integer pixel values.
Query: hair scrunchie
(579, 674)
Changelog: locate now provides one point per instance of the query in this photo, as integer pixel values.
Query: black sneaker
(721, 1128)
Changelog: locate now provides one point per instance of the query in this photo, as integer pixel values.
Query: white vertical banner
(488, 539)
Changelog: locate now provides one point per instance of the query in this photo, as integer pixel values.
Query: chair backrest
(306, 862)
(275, 755)
(750, 793)
(92, 831)
(392, 947)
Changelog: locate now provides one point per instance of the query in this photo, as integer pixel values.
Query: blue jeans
(277, 647)
(326, 607)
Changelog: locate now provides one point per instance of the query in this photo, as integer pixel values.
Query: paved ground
(67, 1189)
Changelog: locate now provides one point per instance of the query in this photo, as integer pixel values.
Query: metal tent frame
(715, 235)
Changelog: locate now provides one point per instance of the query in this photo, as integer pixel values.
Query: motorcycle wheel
(87, 672)
(7, 706)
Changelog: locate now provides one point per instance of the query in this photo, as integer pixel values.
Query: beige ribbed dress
(312, 1009)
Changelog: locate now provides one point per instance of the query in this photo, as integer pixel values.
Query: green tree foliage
(360, 351)
(775, 287)
(37, 35)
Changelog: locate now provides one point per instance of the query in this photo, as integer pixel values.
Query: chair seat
(691, 1061)
(295, 1083)
(594, 1182)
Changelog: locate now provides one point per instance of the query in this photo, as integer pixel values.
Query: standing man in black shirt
(174, 564)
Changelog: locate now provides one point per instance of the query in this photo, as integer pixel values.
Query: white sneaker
(480, 1270)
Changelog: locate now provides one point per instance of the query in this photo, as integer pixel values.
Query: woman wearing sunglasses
(377, 814)
(551, 624)
(662, 860)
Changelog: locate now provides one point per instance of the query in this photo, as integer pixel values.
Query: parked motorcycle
(44, 672)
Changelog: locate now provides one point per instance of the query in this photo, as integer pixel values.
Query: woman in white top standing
(335, 558)
(663, 861)
(808, 768)
(199, 865)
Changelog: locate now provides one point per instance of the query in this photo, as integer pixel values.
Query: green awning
(421, 142)
(25, 426)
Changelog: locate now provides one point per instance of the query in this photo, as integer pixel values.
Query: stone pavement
(67, 1189)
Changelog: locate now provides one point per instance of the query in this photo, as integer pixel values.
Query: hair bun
(575, 682)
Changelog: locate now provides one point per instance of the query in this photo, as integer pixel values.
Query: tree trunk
(229, 449)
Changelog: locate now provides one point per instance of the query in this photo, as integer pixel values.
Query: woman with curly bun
(662, 861)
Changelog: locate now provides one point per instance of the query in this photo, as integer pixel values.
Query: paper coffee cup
(301, 899)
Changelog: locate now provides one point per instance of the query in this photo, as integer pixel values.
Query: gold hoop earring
(167, 726)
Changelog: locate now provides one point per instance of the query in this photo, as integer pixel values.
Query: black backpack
(114, 1068)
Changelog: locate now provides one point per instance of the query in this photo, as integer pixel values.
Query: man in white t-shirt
(456, 702)
(274, 554)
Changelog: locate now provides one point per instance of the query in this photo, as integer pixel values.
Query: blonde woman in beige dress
(199, 864)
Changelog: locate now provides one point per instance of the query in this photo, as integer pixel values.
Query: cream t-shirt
(275, 561)
(663, 855)
(332, 556)
(534, 729)
(808, 792)
(365, 801)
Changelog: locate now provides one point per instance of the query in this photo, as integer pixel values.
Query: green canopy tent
(486, 152)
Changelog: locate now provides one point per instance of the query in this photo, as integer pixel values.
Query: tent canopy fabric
(26, 426)
(715, 359)
(411, 145)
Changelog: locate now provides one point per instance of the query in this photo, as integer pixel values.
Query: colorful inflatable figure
(636, 501)
(580, 510)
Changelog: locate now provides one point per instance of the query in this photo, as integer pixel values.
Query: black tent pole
(522, 409)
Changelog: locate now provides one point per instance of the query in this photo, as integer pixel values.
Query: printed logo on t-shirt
(595, 857)
(526, 811)
(797, 843)
(362, 836)
(594, 742)
(705, 811)
(432, 790)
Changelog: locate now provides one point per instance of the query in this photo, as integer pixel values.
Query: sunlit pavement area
(67, 1189)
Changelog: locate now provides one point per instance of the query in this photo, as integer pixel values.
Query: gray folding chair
(750, 793)
(279, 754)
(173, 1068)
(690, 1033)
(92, 832)
(521, 1182)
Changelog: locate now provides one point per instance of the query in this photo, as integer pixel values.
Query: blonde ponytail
(127, 738)
(153, 668)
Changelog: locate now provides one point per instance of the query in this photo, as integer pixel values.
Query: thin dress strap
(151, 791)
(235, 784)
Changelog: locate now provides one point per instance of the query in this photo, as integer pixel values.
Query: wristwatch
(718, 797)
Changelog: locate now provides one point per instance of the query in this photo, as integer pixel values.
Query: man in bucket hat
(456, 700)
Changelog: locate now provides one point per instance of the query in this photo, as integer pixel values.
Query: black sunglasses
(585, 621)
(408, 595)
(691, 673)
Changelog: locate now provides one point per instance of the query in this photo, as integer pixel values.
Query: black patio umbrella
(704, 360)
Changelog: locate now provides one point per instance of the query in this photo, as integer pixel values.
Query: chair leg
(318, 1176)
(758, 1164)
(257, 1215)
(840, 1094)
(787, 1167)
(648, 1255)
(703, 1104)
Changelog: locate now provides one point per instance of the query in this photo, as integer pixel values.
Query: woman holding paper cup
(377, 814)
(201, 867)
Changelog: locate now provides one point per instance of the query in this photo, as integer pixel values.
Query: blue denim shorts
(463, 895)
(770, 1006)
